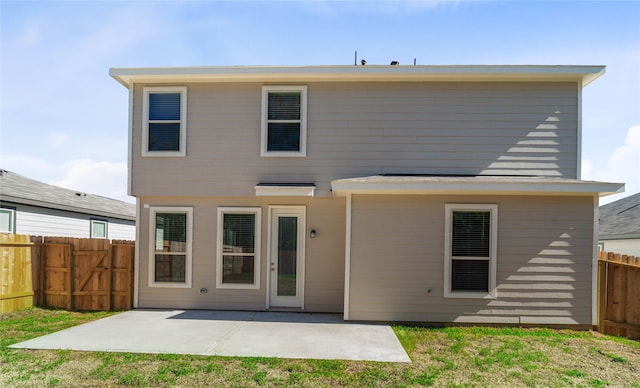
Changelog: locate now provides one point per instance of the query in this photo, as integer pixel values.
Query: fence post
(109, 264)
(70, 304)
(602, 294)
(42, 297)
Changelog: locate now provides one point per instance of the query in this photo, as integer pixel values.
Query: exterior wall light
(312, 234)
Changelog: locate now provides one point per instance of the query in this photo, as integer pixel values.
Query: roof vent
(81, 194)
(395, 63)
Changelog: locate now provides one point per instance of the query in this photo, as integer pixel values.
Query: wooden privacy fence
(16, 291)
(75, 273)
(619, 295)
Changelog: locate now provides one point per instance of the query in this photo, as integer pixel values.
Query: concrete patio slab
(230, 333)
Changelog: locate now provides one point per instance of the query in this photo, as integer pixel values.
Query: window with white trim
(238, 248)
(98, 229)
(170, 246)
(7, 220)
(284, 121)
(164, 127)
(470, 250)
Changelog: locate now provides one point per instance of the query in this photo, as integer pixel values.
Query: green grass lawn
(441, 357)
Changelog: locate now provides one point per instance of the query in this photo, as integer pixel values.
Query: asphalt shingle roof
(620, 219)
(18, 189)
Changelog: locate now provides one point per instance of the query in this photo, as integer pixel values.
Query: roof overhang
(476, 185)
(622, 236)
(63, 207)
(420, 73)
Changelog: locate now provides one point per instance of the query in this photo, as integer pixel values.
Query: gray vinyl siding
(359, 129)
(39, 221)
(324, 259)
(544, 261)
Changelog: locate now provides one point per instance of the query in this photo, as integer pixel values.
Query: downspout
(347, 259)
(594, 263)
(136, 268)
(579, 133)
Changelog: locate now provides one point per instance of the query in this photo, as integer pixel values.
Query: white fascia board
(470, 73)
(285, 191)
(342, 188)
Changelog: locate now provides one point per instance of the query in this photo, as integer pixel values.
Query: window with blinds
(237, 259)
(284, 121)
(171, 247)
(164, 131)
(470, 250)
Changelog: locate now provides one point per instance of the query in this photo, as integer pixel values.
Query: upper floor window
(284, 121)
(164, 131)
(98, 229)
(7, 220)
(470, 250)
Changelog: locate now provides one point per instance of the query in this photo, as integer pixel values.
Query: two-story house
(388, 193)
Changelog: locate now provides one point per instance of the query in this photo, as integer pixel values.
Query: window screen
(470, 259)
(238, 257)
(164, 121)
(283, 125)
(164, 106)
(170, 247)
(470, 233)
(164, 124)
(284, 121)
(470, 238)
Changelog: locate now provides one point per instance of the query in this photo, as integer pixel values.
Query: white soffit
(472, 185)
(285, 191)
(455, 73)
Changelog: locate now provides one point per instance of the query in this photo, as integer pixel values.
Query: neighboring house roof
(18, 189)
(472, 73)
(620, 219)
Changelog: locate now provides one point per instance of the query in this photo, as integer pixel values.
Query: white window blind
(164, 127)
(284, 121)
(470, 257)
(238, 252)
(170, 246)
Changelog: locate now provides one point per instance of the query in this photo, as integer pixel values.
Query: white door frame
(272, 253)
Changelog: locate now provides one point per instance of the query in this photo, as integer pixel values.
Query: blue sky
(63, 120)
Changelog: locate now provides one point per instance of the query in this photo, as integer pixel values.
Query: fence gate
(16, 291)
(619, 295)
(85, 274)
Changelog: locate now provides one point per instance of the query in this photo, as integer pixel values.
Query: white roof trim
(472, 185)
(284, 191)
(469, 73)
